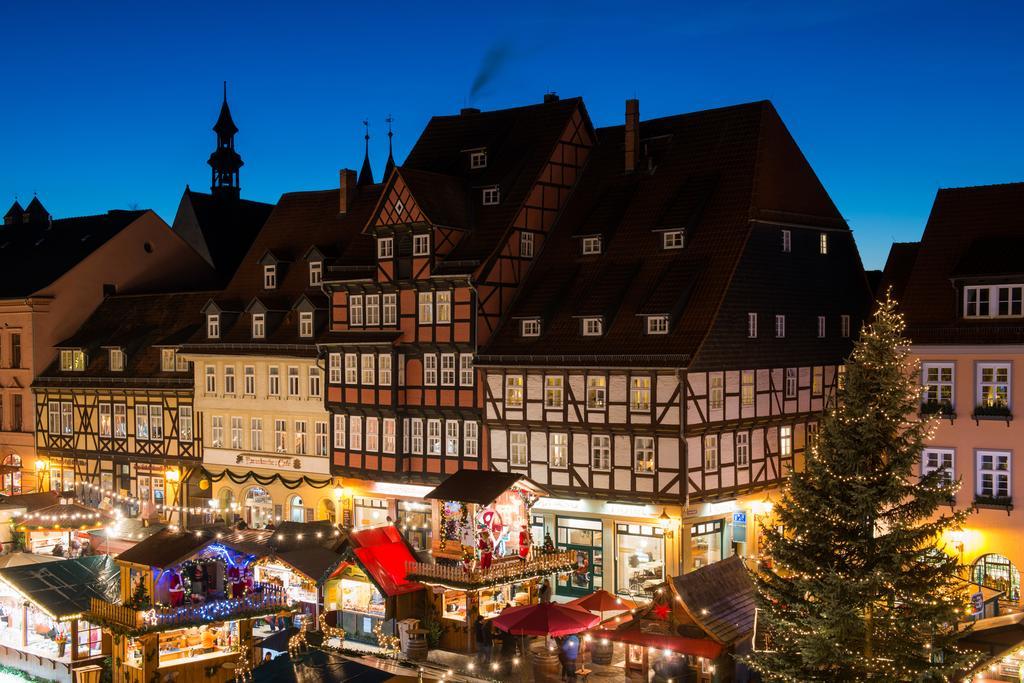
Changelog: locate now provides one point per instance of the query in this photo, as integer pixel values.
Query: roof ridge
(982, 186)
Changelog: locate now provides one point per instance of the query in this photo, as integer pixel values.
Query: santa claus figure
(176, 590)
(486, 550)
(525, 543)
(235, 579)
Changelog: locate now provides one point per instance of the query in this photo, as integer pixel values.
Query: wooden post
(73, 640)
(24, 624)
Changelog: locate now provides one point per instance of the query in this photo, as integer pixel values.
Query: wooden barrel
(546, 667)
(601, 651)
(417, 649)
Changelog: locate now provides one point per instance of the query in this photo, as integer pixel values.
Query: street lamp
(42, 465)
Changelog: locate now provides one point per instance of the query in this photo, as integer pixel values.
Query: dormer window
(994, 301)
(270, 276)
(478, 159)
(787, 241)
(593, 327)
(212, 326)
(72, 360)
(492, 195)
(421, 245)
(168, 360)
(823, 243)
(259, 325)
(116, 360)
(530, 328)
(385, 247)
(316, 273)
(592, 245)
(657, 324)
(672, 239)
(306, 324)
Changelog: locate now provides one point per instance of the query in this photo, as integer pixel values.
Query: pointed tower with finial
(225, 161)
(390, 165)
(366, 173)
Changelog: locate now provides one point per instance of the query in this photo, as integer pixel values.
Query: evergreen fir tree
(140, 597)
(863, 587)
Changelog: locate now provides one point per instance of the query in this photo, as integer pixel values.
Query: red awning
(698, 647)
(383, 554)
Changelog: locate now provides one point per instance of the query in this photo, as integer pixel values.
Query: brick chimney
(632, 134)
(347, 185)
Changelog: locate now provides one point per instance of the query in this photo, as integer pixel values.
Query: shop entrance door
(580, 580)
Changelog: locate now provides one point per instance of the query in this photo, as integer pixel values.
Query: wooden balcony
(501, 571)
(265, 599)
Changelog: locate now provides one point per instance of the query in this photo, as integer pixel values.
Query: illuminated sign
(408, 490)
(625, 510)
(559, 504)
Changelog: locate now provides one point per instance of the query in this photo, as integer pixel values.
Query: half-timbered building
(258, 381)
(454, 231)
(675, 343)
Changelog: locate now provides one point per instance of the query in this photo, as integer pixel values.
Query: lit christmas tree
(862, 588)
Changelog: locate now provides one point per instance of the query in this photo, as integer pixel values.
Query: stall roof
(324, 667)
(698, 647)
(476, 486)
(167, 548)
(383, 554)
(31, 501)
(315, 562)
(720, 597)
(64, 589)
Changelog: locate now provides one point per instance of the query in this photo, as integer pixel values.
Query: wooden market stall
(188, 605)
(484, 557)
(369, 588)
(43, 627)
(692, 629)
(57, 528)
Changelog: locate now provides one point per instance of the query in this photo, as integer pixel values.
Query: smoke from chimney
(632, 134)
(492, 62)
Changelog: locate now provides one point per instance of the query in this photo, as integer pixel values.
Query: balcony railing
(265, 599)
(504, 570)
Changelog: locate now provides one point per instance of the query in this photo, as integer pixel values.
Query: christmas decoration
(330, 632)
(549, 545)
(861, 586)
(139, 598)
(391, 645)
(453, 519)
(528, 497)
(662, 611)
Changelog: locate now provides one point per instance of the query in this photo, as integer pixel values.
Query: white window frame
(514, 391)
(211, 379)
(711, 449)
(259, 325)
(167, 359)
(591, 246)
(421, 244)
(270, 276)
(216, 430)
(229, 380)
(934, 459)
(554, 392)
(791, 385)
(526, 244)
(106, 421)
(186, 423)
(742, 449)
(372, 315)
(306, 324)
(821, 327)
(558, 450)
(339, 432)
(601, 453)
(593, 327)
(389, 309)
(987, 389)
(385, 247)
(355, 310)
(993, 473)
(115, 359)
(443, 306)
(372, 433)
(673, 239)
(256, 433)
(384, 369)
(994, 298)
(72, 360)
(368, 369)
(273, 381)
(823, 243)
(780, 326)
(477, 159)
(433, 437)
(657, 324)
(237, 436)
(933, 387)
(748, 389)
(597, 392)
(351, 368)
(467, 375)
(425, 307)
(416, 433)
(316, 273)
(314, 382)
(640, 394)
(388, 431)
(430, 369)
(785, 441)
(643, 454)
(294, 382)
(716, 392)
(751, 325)
(447, 369)
(470, 439)
(320, 446)
(529, 328)
(491, 196)
(212, 326)
(518, 449)
(355, 432)
(334, 368)
(787, 241)
(451, 438)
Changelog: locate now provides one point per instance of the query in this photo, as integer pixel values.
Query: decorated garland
(266, 480)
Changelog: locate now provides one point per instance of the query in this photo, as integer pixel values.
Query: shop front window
(706, 540)
(12, 479)
(494, 600)
(258, 507)
(296, 509)
(997, 572)
(361, 597)
(370, 512)
(414, 521)
(640, 550)
(585, 538)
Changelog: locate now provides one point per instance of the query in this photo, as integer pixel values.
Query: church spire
(225, 161)
(390, 165)
(366, 173)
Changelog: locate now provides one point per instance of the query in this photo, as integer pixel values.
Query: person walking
(544, 593)
(484, 639)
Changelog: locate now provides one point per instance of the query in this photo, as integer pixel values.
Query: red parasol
(545, 619)
(602, 601)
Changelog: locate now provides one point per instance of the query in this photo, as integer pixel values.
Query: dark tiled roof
(721, 598)
(474, 486)
(167, 548)
(897, 269)
(710, 173)
(140, 325)
(227, 226)
(66, 588)
(300, 222)
(36, 254)
(972, 232)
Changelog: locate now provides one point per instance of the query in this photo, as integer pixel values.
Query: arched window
(327, 511)
(12, 478)
(258, 507)
(296, 510)
(996, 571)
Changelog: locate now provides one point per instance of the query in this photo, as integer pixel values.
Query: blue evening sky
(109, 104)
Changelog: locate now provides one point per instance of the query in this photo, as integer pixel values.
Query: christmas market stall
(369, 589)
(189, 603)
(692, 629)
(61, 528)
(484, 557)
(43, 627)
